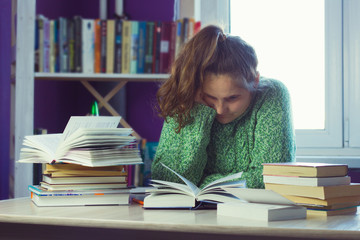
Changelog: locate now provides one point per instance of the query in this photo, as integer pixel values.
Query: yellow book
(326, 213)
(110, 45)
(324, 202)
(303, 169)
(320, 192)
(126, 45)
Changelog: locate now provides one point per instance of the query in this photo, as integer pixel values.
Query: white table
(21, 219)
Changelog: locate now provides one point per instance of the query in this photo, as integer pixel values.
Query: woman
(220, 116)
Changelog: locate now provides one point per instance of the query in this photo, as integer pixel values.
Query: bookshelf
(24, 89)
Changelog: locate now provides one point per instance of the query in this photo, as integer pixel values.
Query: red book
(165, 47)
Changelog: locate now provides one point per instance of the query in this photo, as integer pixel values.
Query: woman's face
(222, 93)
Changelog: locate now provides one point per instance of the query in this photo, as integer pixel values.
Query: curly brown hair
(210, 51)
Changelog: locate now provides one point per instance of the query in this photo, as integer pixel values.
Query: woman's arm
(184, 152)
(274, 139)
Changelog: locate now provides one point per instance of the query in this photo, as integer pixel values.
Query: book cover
(46, 51)
(110, 45)
(134, 46)
(97, 46)
(303, 169)
(149, 47)
(118, 45)
(126, 38)
(88, 51)
(141, 47)
(307, 181)
(175, 195)
(63, 45)
(103, 26)
(320, 192)
(71, 43)
(78, 43)
(42, 197)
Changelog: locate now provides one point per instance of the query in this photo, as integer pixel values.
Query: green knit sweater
(206, 150)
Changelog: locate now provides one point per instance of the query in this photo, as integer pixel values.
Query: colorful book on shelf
(134, 44)
(71, 42)
(149, 48)
(126, 39)
(141, 47)
(87, 50)
(118, 45)
(165, 38)
(303, 169)
(307, 181)
(46, 52)
(80, 39)
(88, 141)
(156, 48)
(103, 28)
(110, 45)
(260, 204)
(175, 195)
(97, 46)
(42, 197)
(63, 45)
(52, 47)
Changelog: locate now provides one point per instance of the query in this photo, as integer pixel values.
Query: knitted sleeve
(184, 152)
(274, 139)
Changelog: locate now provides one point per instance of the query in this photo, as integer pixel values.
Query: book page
(225, 179)
(192, 186)
(89, 122)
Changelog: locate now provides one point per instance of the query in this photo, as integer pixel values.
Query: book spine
(110, 45)
(103, 45)
(141, 47)
(46, 57)
(118, 45)
(78, 43)
(149, 47)
(36, 49)
(165, 47)
(41, 44)
(178, 44)
(63, 45)
(71, 41)
(126, 37)
(51, 49)
(134, 46)
(56, 46)
(97, 51)
(172, 49)
(87, 45)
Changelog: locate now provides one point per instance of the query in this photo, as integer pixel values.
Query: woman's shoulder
(269, 87)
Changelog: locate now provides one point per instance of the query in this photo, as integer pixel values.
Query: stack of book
(85, 165)
(324, 189)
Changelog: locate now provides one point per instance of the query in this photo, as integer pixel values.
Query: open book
(89, 141)
(175, 195)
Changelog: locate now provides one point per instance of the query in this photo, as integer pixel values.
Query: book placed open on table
(86, 140)
(175, 195)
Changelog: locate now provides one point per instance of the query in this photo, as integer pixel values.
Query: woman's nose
(220, 108)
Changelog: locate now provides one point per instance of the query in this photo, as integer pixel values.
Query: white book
(307, 181)
(74, 180)
(88, 141)
(41, 197)
(88, 45)
(176, 195)
(260, 204)
(82, 186)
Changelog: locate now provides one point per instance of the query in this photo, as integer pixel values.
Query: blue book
(141, 47)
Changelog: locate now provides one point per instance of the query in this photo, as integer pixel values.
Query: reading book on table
(86, 140)
(175, 195)
(260, 204)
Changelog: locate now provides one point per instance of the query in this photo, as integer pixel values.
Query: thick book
(74, 180)
(71, 43)
(320, 192)
(149, 47)
(134, 44)
(63, 45)
(97, 46)
(44, 198)
(82, 186)
(74, 170)
(87, 53)
(78, 22)
(118, 45)
(332, 212)
(260, 204)
(323, 202)
(176, 195)
(103, 28)
(304, 169)
(307, 181)
(165, 47)
(141, 47)
(88, 141)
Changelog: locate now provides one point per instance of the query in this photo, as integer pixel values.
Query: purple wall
(55, 102)
(5, 62)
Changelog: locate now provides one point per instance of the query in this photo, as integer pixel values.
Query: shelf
(101, 77)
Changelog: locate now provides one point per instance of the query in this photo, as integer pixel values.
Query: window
(326, 103)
